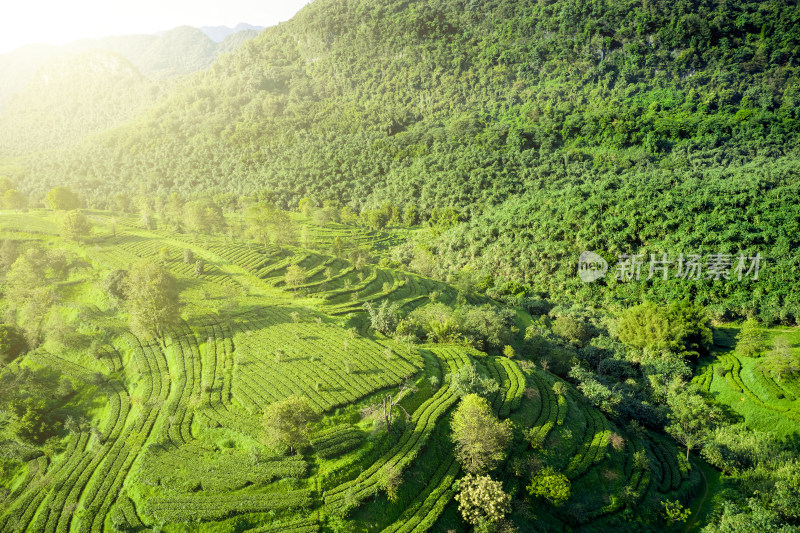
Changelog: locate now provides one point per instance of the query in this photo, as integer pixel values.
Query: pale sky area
(64, 21)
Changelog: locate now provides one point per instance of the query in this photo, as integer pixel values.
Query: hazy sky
(61, 21)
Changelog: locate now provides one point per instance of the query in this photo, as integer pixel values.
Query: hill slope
(470, 105)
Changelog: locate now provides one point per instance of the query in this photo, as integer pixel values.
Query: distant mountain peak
(218, 33)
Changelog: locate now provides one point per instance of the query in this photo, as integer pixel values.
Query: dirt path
(696, 515)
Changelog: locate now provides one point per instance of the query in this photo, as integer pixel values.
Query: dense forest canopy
(548, 126)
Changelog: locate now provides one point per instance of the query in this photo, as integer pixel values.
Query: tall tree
(63, 199)
(286, 423)
(691, 417)
(13, 199)
(75, 226)
(482, 500)
(751, 339)
(153, 300)
(295, 276)
(481, 439)
(780, 361)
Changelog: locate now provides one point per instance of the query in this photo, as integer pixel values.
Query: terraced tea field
(173, 434)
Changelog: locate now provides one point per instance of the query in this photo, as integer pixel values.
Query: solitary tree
(691, 417)
(286, 423)
(75, 226)
(384, 317)
(481, 499)
(750, 339)
(467, 380)
(122, 202)
(551, 485)
(13, 199)
(295, 276)
(63, 199)
(153, 304)
(481, 439)
(780, 361)
(258, 218)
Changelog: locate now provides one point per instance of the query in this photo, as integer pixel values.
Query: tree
(467, 380)
(12, 343)
(573, 331)
(481, 439)
(114, 284)
(389, 402)
(750, 340)
(153, 300)
(674, 512)
(384, 317)
(188, 256)
(123, 203)
(393, 478)
(258, 218)
(9, 252)
(691, 418)
(75, 226)
(306, 207)
(550, 485)
(508, 351)
(284, 228)
(286, 423)
(63, 199)
(480, 499)
(203, 217)
(681, 327)
(13, 199)
(411, 215)
(780, 362)
(295, 276)
(6, 184)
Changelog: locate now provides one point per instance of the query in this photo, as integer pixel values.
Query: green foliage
(674, 512)
(780, 361)
(384, 317)
(750, 340)
(63, 199)
(481, 439)
(203, 217)
(680, 327)
(691, 417)
(75, 226)
(572, 330)
(551, 486)
(286, 423)
(482, 498)
(12, 343)
(13, 199)
(153, 301)
(295, 276)
(468, 381)
(114, 284)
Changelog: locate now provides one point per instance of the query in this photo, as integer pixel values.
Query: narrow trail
(693, 520)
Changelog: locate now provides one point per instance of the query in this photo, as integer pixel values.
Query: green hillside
(563, 116)
(327, 279)
(148, 433)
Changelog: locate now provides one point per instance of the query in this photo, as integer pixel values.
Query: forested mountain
(220, 33)
(568, 114)
(71, 97)
(178, 51)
